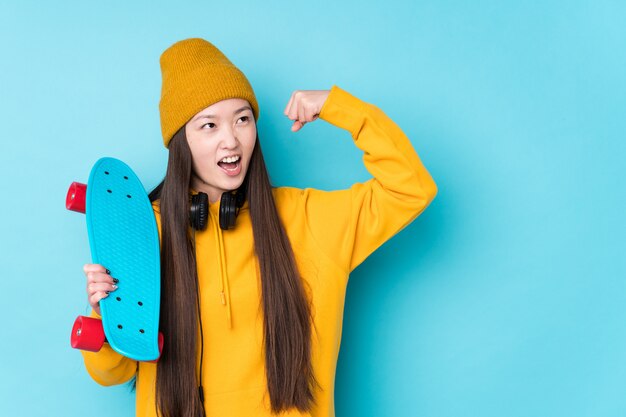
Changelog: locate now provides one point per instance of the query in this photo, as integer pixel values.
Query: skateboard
(123, 237)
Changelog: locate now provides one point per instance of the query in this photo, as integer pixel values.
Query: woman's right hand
(99, 284)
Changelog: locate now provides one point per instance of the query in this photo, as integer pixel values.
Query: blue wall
(505, 298)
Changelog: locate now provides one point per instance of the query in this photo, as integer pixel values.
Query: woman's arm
(351, 224)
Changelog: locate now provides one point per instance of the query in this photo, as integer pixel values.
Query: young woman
(253, 294)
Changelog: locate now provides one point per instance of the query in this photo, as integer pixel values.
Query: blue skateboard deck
(123, 237)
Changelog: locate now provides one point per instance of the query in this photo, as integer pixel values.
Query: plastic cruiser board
(123, 237)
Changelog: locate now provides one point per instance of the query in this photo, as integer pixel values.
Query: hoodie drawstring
(225, 293)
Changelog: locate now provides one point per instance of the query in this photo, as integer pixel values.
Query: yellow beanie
(196, 75)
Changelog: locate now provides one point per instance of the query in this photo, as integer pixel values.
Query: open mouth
(231, 165)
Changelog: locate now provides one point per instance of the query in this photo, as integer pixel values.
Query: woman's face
(226, 129)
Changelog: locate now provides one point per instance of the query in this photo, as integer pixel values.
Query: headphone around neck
(230, 203)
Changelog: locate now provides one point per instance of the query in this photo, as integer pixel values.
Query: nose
(229, 139)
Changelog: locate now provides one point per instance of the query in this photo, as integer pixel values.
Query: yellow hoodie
(331, 233)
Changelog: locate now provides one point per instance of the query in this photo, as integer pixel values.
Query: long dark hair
(286, 310)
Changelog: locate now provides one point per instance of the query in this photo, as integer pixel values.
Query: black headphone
(230, 203)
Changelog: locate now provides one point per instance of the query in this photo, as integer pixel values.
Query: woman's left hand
(304, 106)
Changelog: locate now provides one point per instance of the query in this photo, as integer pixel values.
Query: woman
(252, 297)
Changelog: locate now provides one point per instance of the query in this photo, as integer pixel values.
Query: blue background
(505, 298)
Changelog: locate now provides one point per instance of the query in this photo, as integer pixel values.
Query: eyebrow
(212, 116)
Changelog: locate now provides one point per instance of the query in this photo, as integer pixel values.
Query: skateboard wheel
(87, 334)
(160, 348)
(76, 197)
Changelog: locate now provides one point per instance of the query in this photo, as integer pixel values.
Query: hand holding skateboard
(99, 285)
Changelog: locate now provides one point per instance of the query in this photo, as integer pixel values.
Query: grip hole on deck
(106, 172)
(118, 298)
(140, 303)
(128, 195)
(109, 191)
(119, 326)
(125, 177)
(141, 331)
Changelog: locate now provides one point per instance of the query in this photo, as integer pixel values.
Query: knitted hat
(196, 75)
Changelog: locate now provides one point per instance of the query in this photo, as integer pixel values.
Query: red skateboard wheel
(76, 197)
(87, 334)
